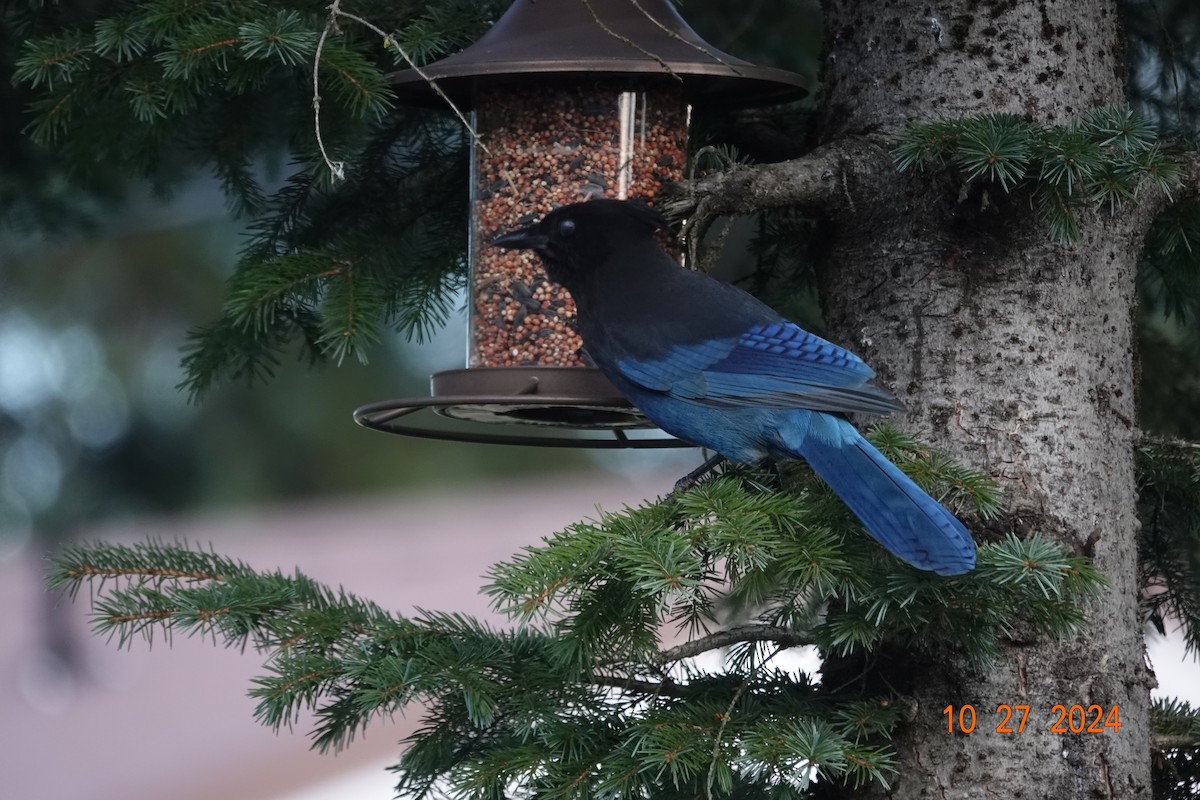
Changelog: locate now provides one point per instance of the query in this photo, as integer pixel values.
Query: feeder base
(555, 399)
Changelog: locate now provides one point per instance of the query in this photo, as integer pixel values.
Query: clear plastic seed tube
(547, 147)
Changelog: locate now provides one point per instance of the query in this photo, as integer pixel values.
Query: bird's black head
(575, 239)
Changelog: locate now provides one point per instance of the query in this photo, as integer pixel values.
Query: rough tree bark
(1011, 352)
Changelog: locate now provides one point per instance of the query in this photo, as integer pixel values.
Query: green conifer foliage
(577, 696)
(1105, 158)
(364, 234)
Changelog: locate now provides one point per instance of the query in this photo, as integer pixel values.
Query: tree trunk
(1012, 353)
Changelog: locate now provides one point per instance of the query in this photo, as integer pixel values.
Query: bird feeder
(570, 100)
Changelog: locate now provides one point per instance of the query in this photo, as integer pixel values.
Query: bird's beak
(524, 239)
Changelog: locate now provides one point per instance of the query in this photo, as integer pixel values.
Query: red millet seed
(549, 147)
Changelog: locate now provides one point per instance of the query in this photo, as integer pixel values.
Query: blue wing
(773, 364)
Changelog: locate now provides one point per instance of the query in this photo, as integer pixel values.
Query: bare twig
(338, 168)
(716, 751)
(665, 687)
(676, 36)
(784, 637)
(390, 41)
(661, 61)
(1173, 741)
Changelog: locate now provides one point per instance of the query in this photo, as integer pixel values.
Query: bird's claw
(694, 477)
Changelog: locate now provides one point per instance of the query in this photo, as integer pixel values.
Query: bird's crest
(637, 209)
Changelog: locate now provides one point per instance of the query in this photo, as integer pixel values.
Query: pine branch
(1169, 539)
(172, 82)
(1169, 274)
(782, 557)
(1102, 159)
(581, 696)
(227, 351)
(381, 249)
(1175, 757)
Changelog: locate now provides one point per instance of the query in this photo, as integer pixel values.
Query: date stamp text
(1015, 718)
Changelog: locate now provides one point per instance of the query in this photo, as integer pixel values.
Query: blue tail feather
(894, 510)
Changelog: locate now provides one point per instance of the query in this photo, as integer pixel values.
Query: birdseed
(546, 148)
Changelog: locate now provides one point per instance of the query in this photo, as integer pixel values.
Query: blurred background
(97, 294)
(97, 442)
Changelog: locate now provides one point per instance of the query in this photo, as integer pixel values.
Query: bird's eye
(566, 227)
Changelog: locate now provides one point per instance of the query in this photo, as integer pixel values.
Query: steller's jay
(712, 365)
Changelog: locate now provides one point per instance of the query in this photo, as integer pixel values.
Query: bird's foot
(694, 477)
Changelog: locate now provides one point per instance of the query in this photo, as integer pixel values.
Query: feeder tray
(550, 398)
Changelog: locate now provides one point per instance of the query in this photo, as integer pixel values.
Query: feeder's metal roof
(538, 39)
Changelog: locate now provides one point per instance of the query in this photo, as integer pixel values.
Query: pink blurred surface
(176, 722)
